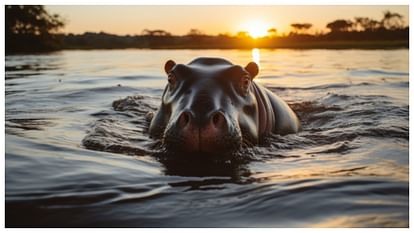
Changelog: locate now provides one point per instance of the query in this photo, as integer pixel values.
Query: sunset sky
(212, 20)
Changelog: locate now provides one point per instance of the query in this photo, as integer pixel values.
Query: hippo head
(208, 106)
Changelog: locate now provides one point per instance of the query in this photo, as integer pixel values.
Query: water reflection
(363, 220)
(21, 66)
(203, 166)
(256, 56)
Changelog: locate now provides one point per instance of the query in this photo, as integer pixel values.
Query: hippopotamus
(211, 105)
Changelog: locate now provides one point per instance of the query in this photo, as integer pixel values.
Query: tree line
(390, 21)
(33, 29)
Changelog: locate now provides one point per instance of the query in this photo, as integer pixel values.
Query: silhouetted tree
(340, 25)
(147, 32)
(301, 27)
(392, 20)
(225, 34)
(366, 24)
(242, 34)
(272, 32)
(195, 32)
(31, 28)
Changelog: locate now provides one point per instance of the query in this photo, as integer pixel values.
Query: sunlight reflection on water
(256, 59)
(256, 56)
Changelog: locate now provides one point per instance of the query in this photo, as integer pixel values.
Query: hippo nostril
(184, 119)
(218, 120)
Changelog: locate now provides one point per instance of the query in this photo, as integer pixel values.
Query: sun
(256, 29)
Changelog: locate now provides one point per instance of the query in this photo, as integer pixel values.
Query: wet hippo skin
(212, 105)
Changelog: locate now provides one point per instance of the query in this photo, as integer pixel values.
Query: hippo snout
(195, 133)
(202, 133)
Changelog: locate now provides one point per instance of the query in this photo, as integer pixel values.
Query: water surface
(77, 151)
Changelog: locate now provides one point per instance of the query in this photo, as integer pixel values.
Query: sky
(212, 20)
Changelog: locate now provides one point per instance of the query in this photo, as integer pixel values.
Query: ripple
(370, 72)
(322, 87)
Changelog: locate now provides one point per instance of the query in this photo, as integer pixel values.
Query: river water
(78, 155)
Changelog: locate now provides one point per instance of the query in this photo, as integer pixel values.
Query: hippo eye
(245, 84)
(171, 79)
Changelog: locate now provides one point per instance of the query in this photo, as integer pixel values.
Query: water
(77, 152)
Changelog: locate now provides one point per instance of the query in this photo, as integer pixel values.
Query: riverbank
(343, 45)
(398, 44)
(307, 45)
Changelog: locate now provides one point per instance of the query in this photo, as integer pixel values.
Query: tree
(242, 34)
(340, 25)
(272, 32)
(31, 28)
(195, 32)
(225, 34)
(301, 27)
(366, 24)
(158, 32)
(392, 20)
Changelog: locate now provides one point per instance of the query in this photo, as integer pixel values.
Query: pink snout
(202, 136)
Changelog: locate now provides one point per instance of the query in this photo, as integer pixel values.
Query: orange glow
(256, 29)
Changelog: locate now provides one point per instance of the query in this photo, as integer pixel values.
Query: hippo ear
(252, 68)
(168, 66)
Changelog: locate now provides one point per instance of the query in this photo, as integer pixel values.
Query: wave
(321, 87)
(139, 77)
(369, 72)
